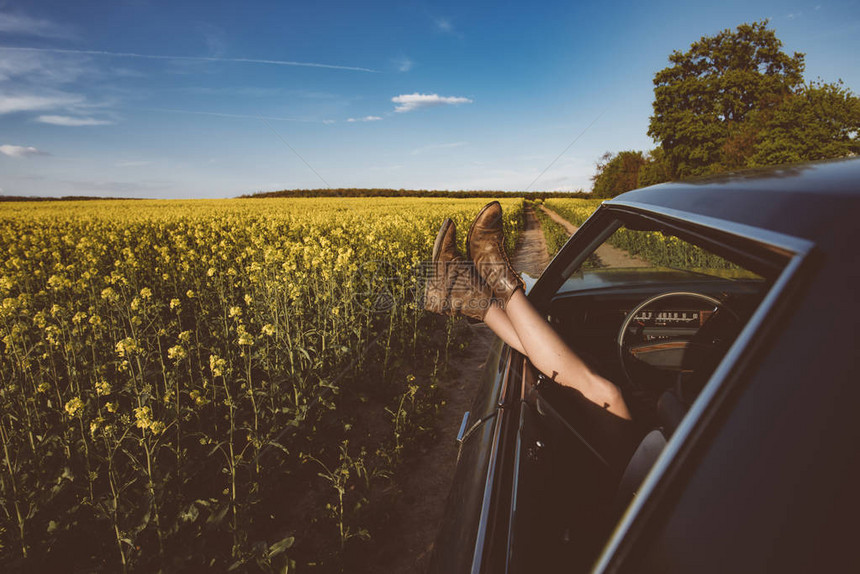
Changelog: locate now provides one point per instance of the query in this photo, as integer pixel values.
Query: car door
(567, 492)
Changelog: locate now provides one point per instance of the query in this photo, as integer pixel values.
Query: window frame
(784, 257)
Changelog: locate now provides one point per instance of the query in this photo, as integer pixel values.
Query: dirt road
(609, 256)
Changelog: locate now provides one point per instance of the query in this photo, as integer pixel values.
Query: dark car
(731, 327)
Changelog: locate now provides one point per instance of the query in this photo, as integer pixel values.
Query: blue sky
(179, 99)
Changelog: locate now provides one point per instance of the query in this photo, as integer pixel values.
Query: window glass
(628, 249)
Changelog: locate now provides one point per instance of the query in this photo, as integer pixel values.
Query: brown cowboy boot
(485, 245)
(454, 287)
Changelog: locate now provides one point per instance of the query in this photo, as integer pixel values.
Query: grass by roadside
(554, 234)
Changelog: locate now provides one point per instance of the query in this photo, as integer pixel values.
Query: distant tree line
(378, 192)
(735, 101)
(63, 198)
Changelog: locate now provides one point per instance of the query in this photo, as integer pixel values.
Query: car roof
(815, 201)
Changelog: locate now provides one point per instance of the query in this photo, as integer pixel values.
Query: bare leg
(549, 353)
(497, 320)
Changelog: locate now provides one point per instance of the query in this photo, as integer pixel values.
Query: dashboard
(673, 335)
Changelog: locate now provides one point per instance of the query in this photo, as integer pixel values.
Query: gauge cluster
(673, 317)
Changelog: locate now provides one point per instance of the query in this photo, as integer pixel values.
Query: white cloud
(409, 102)
(444, 25)
(214, 38)
(72, 121)
(403, 64)
(35, 81)
(365, 119)
(10, 103)
(35, 68)
(433, 147)
(25, 25)
(20, 151)
(137, 163)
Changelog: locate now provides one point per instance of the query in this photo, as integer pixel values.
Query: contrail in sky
(226, 115)
(188, 58)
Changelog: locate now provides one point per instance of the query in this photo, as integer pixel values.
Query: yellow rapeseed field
(177, 376)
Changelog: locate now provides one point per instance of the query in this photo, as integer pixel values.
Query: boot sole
(439, 237)
(471, 227)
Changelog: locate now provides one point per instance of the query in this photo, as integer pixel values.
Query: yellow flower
(143, 417)
(74, 406)
(94, 426)
(126, 347)
(177, 353)
(245, 338)
(109, 295)
(198, 398)
(216, 365)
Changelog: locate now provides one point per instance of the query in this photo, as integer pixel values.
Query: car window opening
(655, 313)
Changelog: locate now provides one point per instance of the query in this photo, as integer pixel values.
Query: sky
(175, 99)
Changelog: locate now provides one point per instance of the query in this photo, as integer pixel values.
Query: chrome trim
(489, 481)
(515, 484)
(529, 281)
(799, 250)
(461, 434)
(515, 487)
(475, 426)
(503, 393)
(481, 538)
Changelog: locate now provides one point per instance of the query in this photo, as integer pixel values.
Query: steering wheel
(679, 345)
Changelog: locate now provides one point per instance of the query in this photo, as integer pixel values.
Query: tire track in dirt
(530, 255)
(609, 256)
(424, 488)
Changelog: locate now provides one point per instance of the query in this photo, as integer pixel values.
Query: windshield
(627, 249)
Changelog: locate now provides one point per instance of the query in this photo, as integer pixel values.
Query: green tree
(617, 173)
(703, 100)
(655, 170)
(819, 122)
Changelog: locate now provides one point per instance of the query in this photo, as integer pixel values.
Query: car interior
(654, 309)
